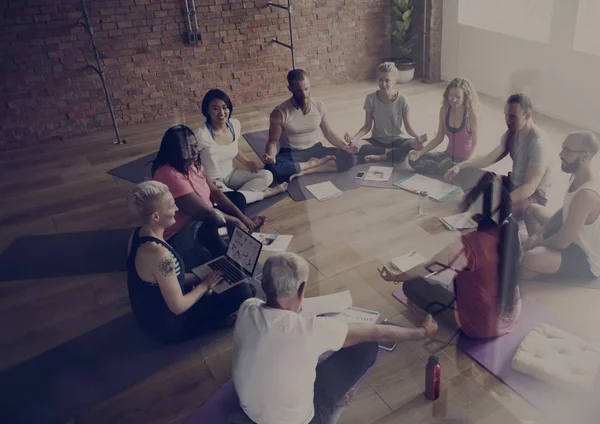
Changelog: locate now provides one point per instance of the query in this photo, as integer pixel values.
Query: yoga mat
(344, 181)
(72, 378)
(496, 355)
(60, 255)
(135, 171)
(225, 401)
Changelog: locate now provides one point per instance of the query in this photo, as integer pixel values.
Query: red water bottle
(433, 378)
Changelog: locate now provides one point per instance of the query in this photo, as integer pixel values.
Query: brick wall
(48, 91)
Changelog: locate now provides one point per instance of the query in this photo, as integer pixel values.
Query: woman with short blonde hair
(386, 112)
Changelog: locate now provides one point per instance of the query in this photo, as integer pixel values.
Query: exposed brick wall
(48, 91)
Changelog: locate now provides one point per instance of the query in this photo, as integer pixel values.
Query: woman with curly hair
(458, 121)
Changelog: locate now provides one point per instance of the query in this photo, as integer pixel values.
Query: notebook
(379, 173)
(459, 222)
(408, 261)
(436, 190)
(324, 191)
(354, 315)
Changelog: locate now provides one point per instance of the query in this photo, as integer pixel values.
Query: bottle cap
(433, 360)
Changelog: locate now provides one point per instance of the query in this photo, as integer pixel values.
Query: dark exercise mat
(297, 189)
(61, 255)
(254, 209)
(135, 171)
(72, 378)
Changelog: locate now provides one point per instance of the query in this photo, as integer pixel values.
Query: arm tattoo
(166, 267)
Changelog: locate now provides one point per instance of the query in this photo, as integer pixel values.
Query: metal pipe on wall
(98, 68)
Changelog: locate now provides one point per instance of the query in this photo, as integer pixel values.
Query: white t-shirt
(217, 159)
(275, 355)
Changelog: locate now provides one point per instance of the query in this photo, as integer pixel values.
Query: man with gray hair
(276, 351)
(568, 243)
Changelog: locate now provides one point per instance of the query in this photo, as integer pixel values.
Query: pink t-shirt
(180, 185)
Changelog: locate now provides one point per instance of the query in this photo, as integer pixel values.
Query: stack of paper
(273, 242)
(332, 303)
(324, 191)
(379, 173)
(417, 183)
(354, 315)
(460, 222)
(408, 261)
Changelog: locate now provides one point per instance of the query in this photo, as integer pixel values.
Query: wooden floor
(63, 187)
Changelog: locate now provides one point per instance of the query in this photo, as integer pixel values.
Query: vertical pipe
(289, 8)
(99, 70)
(196, 28)
(189, 19)
(425, 39)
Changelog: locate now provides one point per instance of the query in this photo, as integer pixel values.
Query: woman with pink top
(458, 121)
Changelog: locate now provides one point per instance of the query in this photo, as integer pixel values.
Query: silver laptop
(237, 265)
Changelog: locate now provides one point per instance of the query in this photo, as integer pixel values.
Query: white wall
(563, 83)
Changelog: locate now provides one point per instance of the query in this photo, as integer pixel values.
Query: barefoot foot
(429, 326)
(375, 158)
(259, 221)
(272, 191)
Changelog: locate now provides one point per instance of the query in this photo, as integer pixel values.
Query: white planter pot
(405, 76)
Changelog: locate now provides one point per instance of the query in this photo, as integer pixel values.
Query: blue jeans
(288, 160)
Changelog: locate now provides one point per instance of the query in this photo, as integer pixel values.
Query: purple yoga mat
(135, 171)
(496, 356)
(344, 181)
(60, 255)
(225, 401)
(72, 378)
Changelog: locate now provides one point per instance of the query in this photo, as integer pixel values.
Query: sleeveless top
(300, 131)
(460, 140)
(589, 236)
(147, 302)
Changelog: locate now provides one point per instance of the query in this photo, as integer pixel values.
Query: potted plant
(403, 39)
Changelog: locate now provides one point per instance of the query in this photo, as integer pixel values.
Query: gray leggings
(434, 163)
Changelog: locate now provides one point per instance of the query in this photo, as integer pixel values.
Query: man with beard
(568, 243)
(528, 180)
(293, 148)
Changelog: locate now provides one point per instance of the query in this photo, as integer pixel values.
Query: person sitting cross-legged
(568, 243)
(276, 351)
(293, 148)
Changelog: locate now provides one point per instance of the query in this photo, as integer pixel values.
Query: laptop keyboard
(230, 270)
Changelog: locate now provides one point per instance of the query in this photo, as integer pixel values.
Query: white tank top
(589, 236)
(300, 131)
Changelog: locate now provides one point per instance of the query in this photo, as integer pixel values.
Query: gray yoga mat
(64, 382)
(61, 255)
(135, 171)
(344, 181)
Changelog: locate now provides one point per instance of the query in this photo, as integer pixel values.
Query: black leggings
(398, 149)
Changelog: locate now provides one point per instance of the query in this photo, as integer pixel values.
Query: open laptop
(237, 265)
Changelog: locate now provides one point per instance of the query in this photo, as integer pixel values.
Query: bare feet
(272, 191)
(314, 162)
(347, 399)
(429, 326)
(375, 158)
(259, 221)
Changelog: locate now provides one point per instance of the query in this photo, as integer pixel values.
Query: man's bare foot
(299, 174)
(429, 326)
(272, 191)
(347, 399)
(375, 158)
(314, 162)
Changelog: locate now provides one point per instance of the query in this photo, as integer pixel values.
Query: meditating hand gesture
(268, 159)
(414, 155)
(348, 139)
(451, 174)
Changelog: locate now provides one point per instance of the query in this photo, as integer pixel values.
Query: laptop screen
(244, 249)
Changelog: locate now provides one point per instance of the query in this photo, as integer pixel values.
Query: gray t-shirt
(527, 152)
(387, 117)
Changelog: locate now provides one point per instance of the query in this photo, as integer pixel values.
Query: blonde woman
(386, 110)
(168, 303)
(458, 122)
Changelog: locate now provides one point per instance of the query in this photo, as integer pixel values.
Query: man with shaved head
(568, 243)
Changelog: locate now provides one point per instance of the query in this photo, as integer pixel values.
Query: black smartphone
(389, 346)
(360, 175)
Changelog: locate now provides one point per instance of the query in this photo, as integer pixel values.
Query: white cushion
(558, 358)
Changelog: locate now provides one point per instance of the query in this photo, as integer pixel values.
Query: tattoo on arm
(166, 267)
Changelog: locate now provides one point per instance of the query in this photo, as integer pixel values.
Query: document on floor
(408, 261)
(273, 242)
(460, 222)
(354, 315)
(436, 190)
(324, 191)
(379, 173)
(331, 303)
